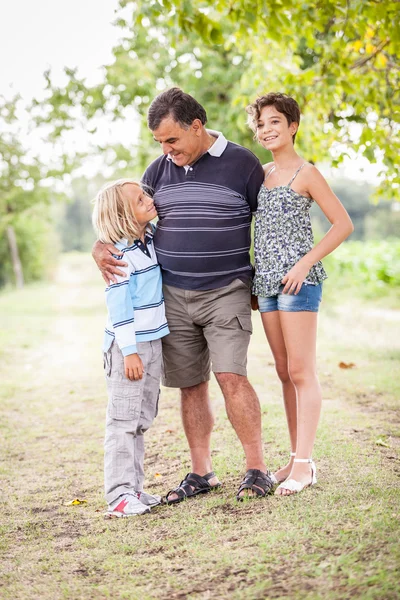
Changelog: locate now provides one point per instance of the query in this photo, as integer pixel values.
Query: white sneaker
(148, 499)
(126, 505)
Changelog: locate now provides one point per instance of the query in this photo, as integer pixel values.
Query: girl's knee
(300, 374)
(282, 370)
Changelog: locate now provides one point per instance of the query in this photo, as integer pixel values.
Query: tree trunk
(16, 263)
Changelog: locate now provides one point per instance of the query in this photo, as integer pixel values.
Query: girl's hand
(134, 369)
(293, 280)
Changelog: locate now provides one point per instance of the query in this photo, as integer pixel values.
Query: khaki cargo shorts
(208, 329)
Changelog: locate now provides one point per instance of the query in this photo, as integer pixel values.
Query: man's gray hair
(183, 108)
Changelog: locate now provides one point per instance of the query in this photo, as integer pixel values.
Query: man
(205, 189)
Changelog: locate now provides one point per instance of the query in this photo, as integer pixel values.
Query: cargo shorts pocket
(245, 323)
(242, 342)
(107, 363)
(124, 402)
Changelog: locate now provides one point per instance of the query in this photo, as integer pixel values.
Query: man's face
(184, 146)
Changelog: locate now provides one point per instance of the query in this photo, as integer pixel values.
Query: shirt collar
(218, 146)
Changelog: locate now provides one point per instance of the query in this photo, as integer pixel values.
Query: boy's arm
(121, 312)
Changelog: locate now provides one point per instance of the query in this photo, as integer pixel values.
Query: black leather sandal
(257, 481)
(192, 485)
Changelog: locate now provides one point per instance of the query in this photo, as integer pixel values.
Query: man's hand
(254, 302)
(133, 367)
(103, 256)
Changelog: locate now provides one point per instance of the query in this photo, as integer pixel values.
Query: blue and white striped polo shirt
(204, 209)
(135, 304)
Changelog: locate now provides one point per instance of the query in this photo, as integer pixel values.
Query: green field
(338, 540)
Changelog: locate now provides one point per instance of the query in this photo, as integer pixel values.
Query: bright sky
(38, 34)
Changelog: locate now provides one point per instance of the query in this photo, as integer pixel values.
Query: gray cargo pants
(132, 407)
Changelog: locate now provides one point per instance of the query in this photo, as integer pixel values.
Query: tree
(24, 202)
(339, 58)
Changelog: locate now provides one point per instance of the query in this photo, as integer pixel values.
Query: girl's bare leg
(299, 332)
(273, 330)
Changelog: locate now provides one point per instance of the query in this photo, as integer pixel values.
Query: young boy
(132, 343)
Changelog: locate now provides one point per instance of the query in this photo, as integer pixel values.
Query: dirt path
(338, 540)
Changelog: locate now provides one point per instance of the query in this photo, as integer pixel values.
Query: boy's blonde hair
(113, 216)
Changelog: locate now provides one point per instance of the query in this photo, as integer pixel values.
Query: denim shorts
(308, 299)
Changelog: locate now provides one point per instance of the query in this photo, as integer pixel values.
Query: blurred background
(76, 81)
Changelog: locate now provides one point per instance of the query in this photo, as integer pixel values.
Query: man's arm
(103, 256)
(254, 182)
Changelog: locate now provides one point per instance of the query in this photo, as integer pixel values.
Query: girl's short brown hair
(283, 104)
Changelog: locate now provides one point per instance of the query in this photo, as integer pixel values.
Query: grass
(338, 540)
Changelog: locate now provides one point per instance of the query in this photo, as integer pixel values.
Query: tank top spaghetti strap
(295, 175)
(269, 172)
(292, 179)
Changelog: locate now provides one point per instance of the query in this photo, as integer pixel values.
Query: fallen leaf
(344, 365)
(75, 502)
(381, 442)
(170, 431)
(157, 475)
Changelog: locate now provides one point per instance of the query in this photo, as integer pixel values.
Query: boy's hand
(133, 367)
(103, 256)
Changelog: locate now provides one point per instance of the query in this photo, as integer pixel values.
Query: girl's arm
(342, 227)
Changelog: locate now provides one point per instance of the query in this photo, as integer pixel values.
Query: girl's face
(273, 131)
(142, 205)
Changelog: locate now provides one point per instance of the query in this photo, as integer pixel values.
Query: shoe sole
(119, 515)
(178, 500)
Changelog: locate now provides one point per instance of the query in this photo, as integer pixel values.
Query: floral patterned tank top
(282, 236)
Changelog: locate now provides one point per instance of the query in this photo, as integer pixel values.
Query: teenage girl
(289, 274)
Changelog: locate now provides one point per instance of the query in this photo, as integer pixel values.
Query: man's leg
(227, 328)
(198, 422)
(243, 409)
(187, 366)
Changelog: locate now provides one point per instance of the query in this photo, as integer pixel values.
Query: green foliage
(38, 245)
(74, 220)
(371, 220)
(339, 59)
(24, 199)
(372, 264)
(19, 172)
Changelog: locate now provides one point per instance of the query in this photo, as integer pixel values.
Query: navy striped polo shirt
(203, 232)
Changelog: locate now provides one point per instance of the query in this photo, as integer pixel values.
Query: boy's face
(183, 146)
(142, 205)
(273, 131)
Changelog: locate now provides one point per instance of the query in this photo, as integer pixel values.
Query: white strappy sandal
(274, 479)
(294, 486)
